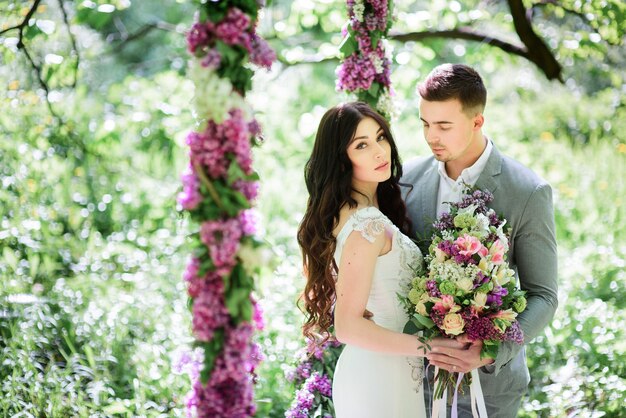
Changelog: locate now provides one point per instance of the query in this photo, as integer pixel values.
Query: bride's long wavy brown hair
(328, 177)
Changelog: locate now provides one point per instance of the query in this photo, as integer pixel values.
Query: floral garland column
(366, 67)
(219, 188)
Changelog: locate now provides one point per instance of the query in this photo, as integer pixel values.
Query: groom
(453, 99)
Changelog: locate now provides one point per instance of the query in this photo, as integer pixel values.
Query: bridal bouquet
(469, 288)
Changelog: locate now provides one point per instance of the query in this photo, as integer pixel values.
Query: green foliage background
(92, 304)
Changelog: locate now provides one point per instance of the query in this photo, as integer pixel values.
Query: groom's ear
(479, 120)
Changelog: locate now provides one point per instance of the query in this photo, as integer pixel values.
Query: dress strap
(369, 221)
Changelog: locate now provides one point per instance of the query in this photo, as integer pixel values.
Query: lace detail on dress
(371, 229)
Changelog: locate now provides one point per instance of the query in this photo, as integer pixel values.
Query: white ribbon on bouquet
(477, 400)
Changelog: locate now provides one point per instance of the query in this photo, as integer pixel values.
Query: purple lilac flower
(303, 371)
(249, 220)
(257, 315)
(481, 328)
(384, 78)
(189, 362)
(235, 130)
(514, 333)
(433, 291)
(232, 29)
(190, 197)
(228, 392)
(209, 311)
(199, 35)
(356, 73)
(208, 150)
(191, 272)
(261, 53)
(495, 296)
(319, 383)
(222, 239)
(494, 220)
(250, 189)
(445, 221)
(212, 60)
(301, 405)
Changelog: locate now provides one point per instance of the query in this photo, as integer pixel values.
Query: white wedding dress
(369, 384)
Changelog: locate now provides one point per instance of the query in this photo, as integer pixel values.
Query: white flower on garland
(386, 105)
(253, 257)
(358, 9)
(377, 62)
(214, 96)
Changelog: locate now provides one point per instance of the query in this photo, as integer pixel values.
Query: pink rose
(468, 245)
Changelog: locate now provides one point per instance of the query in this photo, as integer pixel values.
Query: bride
(357, 260)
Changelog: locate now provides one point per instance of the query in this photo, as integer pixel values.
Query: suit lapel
(486, 180)
(429, 196)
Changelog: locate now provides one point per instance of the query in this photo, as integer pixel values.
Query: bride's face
(370, 153)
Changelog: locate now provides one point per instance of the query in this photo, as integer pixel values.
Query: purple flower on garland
(211, 147)
(319, 383)
(235, 130)
(222, 239)
(250, 189)
(208, 150)
(356, 73)
(257, 315)
(199, 36)
(209, 311)
(261, 53)
(232, 30)
(212, 60)
(190, 197)
(249, 219)
(228, 393)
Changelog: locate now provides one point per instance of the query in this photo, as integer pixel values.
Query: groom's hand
(461, 356)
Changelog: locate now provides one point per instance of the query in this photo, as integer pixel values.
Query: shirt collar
(469, 175)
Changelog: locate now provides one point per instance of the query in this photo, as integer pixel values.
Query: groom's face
(451, 133)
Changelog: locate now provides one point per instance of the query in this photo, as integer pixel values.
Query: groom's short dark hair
(455, 81)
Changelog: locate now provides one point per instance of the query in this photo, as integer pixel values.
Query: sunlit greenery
(93, 310)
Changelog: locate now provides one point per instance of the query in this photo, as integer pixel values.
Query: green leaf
(9, 257)
(424, 321)
(410, 328)
(490, 349)
(348, 46)
(211, 350)
(116, 408)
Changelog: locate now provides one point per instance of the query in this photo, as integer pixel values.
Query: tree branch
(124, 38)
(21, 46)
(24, 22)
(538, 52)
(72, 41)
(462, 33)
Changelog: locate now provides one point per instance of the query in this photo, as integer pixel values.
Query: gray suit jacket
(525, 201)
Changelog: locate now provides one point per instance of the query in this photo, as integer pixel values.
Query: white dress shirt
(450, 190)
